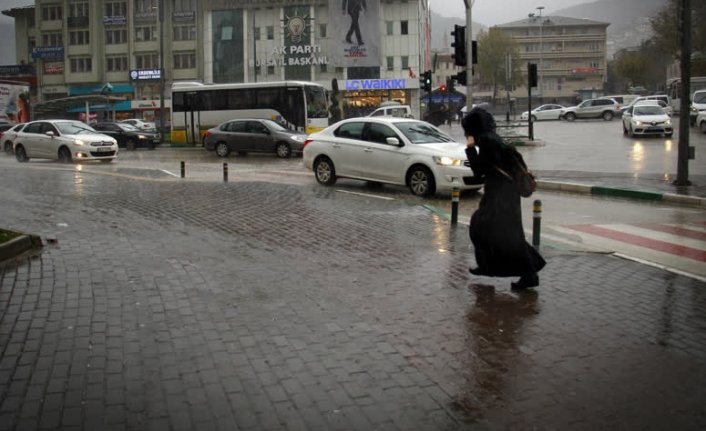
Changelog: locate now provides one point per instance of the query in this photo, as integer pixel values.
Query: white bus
(674, 90)
(198, 107)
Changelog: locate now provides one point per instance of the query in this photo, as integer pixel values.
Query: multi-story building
(141, 47)
(571, 55)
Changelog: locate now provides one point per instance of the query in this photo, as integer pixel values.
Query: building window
(115, 37)
(145, 6)
(147, 61)
(51, 13)
(270, 70)
(390, 27)
(323, 68)
(79, 37)
(78, 9)
(184, 5)
(322, 30)
(52, 39)
(405, 62)
(146, 33)
(80, 64)
(185, 32)
(116, 8)
(184, 60)
(256, 31)
(390, 63)
(116, 64)
(404, 27)
(595, 64)
(270, 32)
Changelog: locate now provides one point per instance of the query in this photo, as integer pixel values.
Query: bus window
(316, 102)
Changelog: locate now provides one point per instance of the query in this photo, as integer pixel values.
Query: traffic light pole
(469, 55)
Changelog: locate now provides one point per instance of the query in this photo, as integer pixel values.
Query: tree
(665, 26)
(642, 67)
(493, 48)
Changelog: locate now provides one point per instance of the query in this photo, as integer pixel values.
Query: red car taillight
(307, 142)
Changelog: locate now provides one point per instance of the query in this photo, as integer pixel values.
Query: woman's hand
(470, 141)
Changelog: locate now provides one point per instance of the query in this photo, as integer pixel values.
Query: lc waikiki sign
(378, 84)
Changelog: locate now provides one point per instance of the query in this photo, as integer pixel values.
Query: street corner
(13, 244)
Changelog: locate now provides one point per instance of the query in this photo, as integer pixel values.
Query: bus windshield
(316, 102)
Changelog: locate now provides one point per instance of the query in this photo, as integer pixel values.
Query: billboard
(14, 102)
(355, 33)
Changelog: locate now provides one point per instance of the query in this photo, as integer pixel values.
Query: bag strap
(503, 172)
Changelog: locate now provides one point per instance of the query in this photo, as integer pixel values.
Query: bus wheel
(222, 149)
(283, 150)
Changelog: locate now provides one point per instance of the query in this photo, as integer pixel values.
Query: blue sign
(48, 52)
(114, 20)
(375, 84)
(145, 74)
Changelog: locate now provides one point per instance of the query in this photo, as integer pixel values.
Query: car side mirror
(394, 141)
(50, 133)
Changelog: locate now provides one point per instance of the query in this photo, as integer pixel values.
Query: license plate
(103, 149)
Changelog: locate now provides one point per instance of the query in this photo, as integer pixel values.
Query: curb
(19, 245)
(693, 201)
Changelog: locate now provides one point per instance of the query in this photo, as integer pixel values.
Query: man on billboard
(355, 7)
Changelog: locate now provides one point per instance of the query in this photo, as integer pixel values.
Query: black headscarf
(478, 122)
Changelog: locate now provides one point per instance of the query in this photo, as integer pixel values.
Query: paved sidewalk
(254, 306)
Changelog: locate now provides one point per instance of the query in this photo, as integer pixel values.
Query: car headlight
(141, 137)
(447, 161)
(298, 138)
(79, 142)
(668, 122)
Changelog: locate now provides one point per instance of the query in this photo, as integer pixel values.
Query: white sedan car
(389, 150)
(545, 112)
(701, 121)
(142, 125)
(647, 120)
(65, 140)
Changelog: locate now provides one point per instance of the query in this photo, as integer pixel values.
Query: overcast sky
(493, 12)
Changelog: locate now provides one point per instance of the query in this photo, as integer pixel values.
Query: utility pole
(469, 55)
(685, 59)
(161, 68)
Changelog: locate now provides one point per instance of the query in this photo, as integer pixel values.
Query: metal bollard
(225, 172)
(183, 169)
(536, 222)
(455, 193)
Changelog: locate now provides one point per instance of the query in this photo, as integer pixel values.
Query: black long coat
(496, 231)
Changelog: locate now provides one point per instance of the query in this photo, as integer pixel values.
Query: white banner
(355, 33)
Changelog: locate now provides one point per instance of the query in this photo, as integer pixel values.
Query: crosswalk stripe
(676, 230)
(657, 235)
(641, 241)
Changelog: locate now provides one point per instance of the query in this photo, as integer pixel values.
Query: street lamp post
(541, 53)
(161, 67)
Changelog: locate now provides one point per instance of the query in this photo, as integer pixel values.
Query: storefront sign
(145, 74)
(584, 70)
(53, 67)
(16, 69)
(374, 84)
(48, 52)
(286, 56)
(231, 4)
(114, 20)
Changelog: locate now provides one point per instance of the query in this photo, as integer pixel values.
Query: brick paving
(168, 305)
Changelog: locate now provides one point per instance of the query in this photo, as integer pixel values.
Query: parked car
(129, 136)
(253, 135)
(65, 140)
(142, 125)
(593, 108)
(701, 121)
(642, 119)
(8, 136)
(5, 125)
(623, 99)
(389, 150)
(545, 112)
(403, 111)
(663, 97)
(698, 104)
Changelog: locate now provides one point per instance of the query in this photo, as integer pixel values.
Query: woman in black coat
(496, 227)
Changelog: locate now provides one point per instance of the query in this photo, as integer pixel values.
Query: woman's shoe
(526, 281)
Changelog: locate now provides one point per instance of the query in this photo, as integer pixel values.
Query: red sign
(579, 70)
(53, 67)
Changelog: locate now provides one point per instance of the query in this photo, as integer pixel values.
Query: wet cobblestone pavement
(173, 305)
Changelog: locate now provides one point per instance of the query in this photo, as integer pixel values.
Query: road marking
(169, 173)
(366, 195)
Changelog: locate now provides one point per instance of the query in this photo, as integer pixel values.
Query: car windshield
(275, 126)
(419, 132)
(74, 128)
(648, 110)
(700, 98)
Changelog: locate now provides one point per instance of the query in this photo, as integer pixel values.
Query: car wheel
(324, 171)
(20, 154)
(625, 131)
(421, 181)
(630, 132)
(534, 118)
(608, 116)
(131, 145)
(283, 150)
(222, 149)
(64, 155)
(8, 148)
(570, 116)
(702, 127)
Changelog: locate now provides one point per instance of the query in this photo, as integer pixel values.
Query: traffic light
(474, 52)
(442, 88)
(425, 81)
(450, 86)
(460, 77)
(459, 45)
(532, 74)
